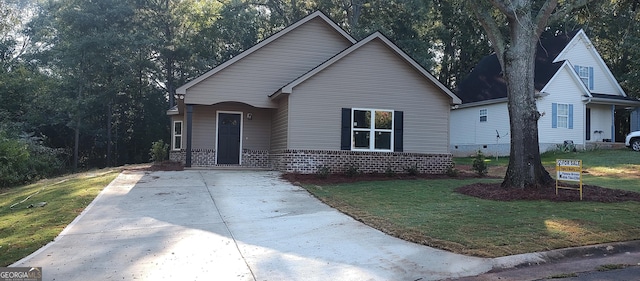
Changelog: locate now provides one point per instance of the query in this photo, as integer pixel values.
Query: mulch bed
(493, 191)
(343, 178)
(489, 191)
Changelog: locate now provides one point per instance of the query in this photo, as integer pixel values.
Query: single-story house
(576, 93)
(309, 97)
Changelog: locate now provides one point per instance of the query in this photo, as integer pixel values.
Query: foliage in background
(94, 78)
(24, 159)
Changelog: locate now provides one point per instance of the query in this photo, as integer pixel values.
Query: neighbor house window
(483, 115)
(563, 115)
(372, 129)
(586, 75)
(177, 135)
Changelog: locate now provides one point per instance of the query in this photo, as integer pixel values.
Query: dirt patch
(163, 166)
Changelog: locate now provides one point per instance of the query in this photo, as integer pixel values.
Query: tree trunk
(525, 166)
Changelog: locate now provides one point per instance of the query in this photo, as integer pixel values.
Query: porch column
(189, 134)
(613, 123)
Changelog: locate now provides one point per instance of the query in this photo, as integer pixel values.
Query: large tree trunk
(525, 166)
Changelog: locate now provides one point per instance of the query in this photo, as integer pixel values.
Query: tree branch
(503, 7)
(568, 7)
(483, 14)
(542, 18)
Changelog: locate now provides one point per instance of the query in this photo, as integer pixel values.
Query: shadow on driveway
(230, 225)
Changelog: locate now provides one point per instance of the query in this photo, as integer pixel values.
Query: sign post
(569, 170)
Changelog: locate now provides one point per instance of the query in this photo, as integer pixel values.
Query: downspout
(613, 123)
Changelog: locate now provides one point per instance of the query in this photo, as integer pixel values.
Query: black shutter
(398, 124)
(345, 133)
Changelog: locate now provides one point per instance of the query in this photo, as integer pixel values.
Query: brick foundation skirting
(337, 161)
(309, 161)
(207, 158)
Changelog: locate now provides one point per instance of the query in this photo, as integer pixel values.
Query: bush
(352, 170)
(452, 172)
(159, 151)
(24, 158)
(323, 172)
(479, 165)
(412, 170)
(389, 172)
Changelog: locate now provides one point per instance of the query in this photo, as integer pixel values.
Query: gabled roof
(566, 65)
(318, 14)
(486, 82)
(580, 34)
(288, 89)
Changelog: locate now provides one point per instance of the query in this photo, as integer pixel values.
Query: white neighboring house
(576, 92)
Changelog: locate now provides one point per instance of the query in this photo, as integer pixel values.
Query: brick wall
(308, 161)
(207, 158)
(338, 161)
(256, 159)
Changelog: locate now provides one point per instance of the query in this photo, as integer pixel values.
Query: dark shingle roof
(485, 82)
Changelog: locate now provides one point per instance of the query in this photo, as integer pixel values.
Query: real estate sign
(569, 170)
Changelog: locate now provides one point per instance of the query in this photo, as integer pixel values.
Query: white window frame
(484, 113)
(174, 135)
(565, 117)
(372, 130)
(583, 73)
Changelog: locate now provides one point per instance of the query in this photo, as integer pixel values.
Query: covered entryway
(228, 144)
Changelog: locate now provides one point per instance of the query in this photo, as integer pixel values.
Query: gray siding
(279, 125)
(204, 127)
(253, 78)
(255, 135)
(371, 77)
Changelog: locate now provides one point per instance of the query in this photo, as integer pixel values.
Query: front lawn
(25, 226)
(431, 213)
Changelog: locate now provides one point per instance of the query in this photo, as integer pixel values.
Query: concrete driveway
(230, 225)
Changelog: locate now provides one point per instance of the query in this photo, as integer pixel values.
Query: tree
(458, 38)
(516, 51)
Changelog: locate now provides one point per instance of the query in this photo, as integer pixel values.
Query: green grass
(431, 213)
(24, 230)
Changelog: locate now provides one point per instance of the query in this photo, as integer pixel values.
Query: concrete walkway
(231, 225)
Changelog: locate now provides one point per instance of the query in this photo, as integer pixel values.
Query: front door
(228, 151)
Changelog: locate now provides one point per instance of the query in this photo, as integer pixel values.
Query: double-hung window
(563, 115)
(483, 115)
(586, 75)
(372, 129)
(177, 135)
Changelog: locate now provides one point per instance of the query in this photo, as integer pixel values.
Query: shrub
(24, 158)
(479, 165)
(159, 151)
(352, 170)
(452, 171)
(389, 172)
(323, 172)
(412, 170)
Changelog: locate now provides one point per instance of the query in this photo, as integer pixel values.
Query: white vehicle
(633, 140)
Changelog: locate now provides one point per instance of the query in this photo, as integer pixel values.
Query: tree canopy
(93, 79)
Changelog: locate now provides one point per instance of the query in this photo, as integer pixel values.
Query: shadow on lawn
(490, 191)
